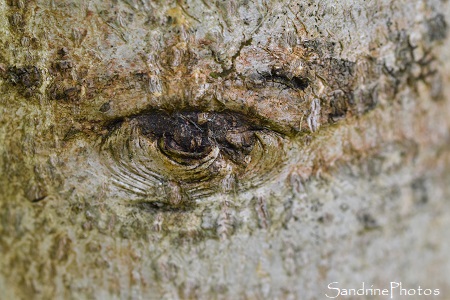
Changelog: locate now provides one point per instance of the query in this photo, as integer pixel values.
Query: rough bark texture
(223, 149)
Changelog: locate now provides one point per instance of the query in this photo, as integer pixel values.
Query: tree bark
(225, 149)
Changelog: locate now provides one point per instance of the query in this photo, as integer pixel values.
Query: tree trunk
(224, 149)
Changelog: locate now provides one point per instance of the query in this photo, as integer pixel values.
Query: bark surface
(223, 149)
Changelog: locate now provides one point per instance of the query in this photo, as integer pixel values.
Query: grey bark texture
(245, 149)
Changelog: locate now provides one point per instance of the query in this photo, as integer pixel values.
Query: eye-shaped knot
(195, 150)
(189, 135)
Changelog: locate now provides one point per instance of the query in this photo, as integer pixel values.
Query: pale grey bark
(347, 179)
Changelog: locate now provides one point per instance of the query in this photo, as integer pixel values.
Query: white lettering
(394, 285)
(411, 292)
(333, 288)
(419, 291)
(360, 292)
(395, 289)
